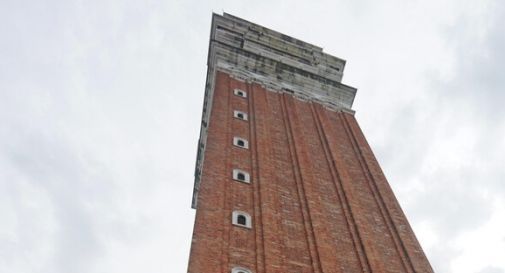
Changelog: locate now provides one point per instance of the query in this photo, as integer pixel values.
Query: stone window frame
(247, 176)
(236, 142)
(240, 93)
(236, 114)
(239, 269)
(248, 219)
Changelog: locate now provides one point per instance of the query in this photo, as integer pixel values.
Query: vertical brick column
(318, 199)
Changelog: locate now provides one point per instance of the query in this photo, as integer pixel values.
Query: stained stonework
(317, 197)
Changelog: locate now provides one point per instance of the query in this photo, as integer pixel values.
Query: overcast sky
(100, 106)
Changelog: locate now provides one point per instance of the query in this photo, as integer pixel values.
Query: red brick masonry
(318, 198)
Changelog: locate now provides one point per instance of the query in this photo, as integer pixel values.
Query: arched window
(241, 219)
(240, 142)
(240, 270)
(241, 176)
(239, 115)
(240, 93)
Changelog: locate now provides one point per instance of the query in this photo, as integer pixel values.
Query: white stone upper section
(277, 61)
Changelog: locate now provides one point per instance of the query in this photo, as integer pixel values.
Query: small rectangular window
(240, 142)
(241, 219)
(241, 176)
(240, 115)
(240, 93)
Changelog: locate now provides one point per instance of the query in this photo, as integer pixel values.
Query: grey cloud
(100, 106)
(442, 149)
(479, 59)
(461, 198)
(491, 269)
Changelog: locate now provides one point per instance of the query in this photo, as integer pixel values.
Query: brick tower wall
(318, 199)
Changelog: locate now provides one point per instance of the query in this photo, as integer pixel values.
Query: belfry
(285, 180)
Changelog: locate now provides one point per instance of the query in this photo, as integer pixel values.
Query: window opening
(241, 176)
(240, 115)
(242, 219)
(240, 142)
(240, 93)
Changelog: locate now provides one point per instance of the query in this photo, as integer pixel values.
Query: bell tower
(285, 180)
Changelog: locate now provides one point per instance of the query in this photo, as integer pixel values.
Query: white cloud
(100, 107)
